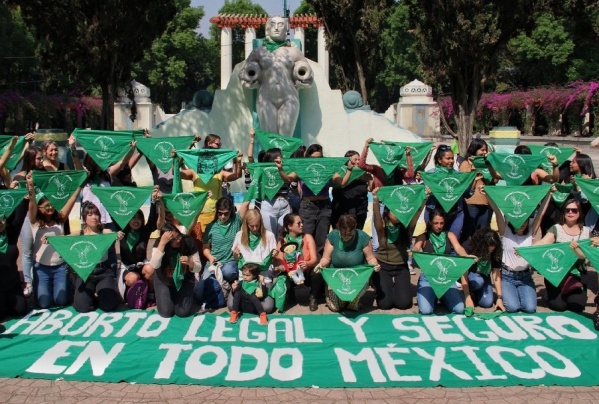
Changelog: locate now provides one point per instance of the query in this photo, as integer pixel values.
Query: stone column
(323, 54)
(300, 35)
(226, 56)
(250, 35)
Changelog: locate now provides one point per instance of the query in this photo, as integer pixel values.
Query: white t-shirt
(260, 253)
(511, 241)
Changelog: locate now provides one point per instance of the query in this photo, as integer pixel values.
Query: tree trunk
(107, 122)
(360, 71)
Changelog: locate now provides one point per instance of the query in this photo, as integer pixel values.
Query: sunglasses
(46, 207)
(444, 147)
(223, 213)
(571, 210)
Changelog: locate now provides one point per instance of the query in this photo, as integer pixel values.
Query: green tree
(310, 33)
(18, 64)
(180, 62)
(241, 7)
(353, 29)
(458, 43)
(96, 42)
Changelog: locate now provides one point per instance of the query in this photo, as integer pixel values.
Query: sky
(211, 7)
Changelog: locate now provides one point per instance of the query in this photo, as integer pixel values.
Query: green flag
(388, 155)
(442, 271)
(561, 153)
(122, 203)
(347, 282)
(104, 147)
(553, 261)
(355, 173)
(418, 151)
(403, 200)
(158, 150)
(562, 193)
(207, 162)
(268, 182)
(590, 188)
(185, 206)
(480, 165)
(448, 187)
(10, 199)
(279, 292)
(517, 202)
(315, 172)
(590, 252)
(287, 144)
(82, 253)
(253, 192)
(515, 169)
(17, 151)
(58, 186)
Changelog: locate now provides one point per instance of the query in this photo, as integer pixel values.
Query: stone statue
(277, 69)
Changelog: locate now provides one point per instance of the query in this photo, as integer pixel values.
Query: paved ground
(42, 391)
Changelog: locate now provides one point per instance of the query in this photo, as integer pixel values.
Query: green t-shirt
(351, 254)
(221, 237)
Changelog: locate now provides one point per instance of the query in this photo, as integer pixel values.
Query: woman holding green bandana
(392, 283)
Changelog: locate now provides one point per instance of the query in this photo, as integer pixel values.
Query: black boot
(313, 305)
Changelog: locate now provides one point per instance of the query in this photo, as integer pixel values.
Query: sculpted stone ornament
(277, 69)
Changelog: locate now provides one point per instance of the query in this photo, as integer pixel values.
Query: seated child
(247, 294)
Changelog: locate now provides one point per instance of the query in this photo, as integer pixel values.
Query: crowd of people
(251, 257)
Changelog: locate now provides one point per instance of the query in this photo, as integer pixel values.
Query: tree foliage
(310, 33)
(353, 29)
(180, 62)
(96, 42)
(458, 43)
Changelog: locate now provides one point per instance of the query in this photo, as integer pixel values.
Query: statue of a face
(276, 29)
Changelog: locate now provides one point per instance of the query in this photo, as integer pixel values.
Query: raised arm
(114, 169)
(64, 213)
(501, 224)
(236, 173)
(288, 178)
(250, 151)
(76, 160)
(8, 152)
(542, 209)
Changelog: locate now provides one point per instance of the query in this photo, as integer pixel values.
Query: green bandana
(562, 193)
(344, 245)
(388, 154)
(268, 181)
(17, 151)
(392, 232)
(515, 169)
(279, 292)
(418, 151)
(250, 286)
(517, 202)
(590, 188)
(158, 150)
(207, 162)
(223, 228)
(469, 312)
(347, 282)
(315, 172)
(553, 261)
(448, 186)
(254, 240)
(178, 275)
(272, 46)
(58, 186)
(480, 165)
(177, 184)
(132, 238)
(561, 153)
(442, 271)
(287, 144)
(82, 253)
(10, 199)
(299, 239)
(403, 200)
(253, 191)
(438, 241)
(122, 203)
(355, 173)
(104, 147)
(185, 206)
(484, 266)
(590, 252)
(3, 242)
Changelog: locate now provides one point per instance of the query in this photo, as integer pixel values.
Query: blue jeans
(481, 289)
(273, 211)
(518, 291)
(26, 237)
(50, 285)
(475, 217)
(453, 298)
(229, 269)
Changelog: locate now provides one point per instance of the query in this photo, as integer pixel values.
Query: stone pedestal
(417, 111)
